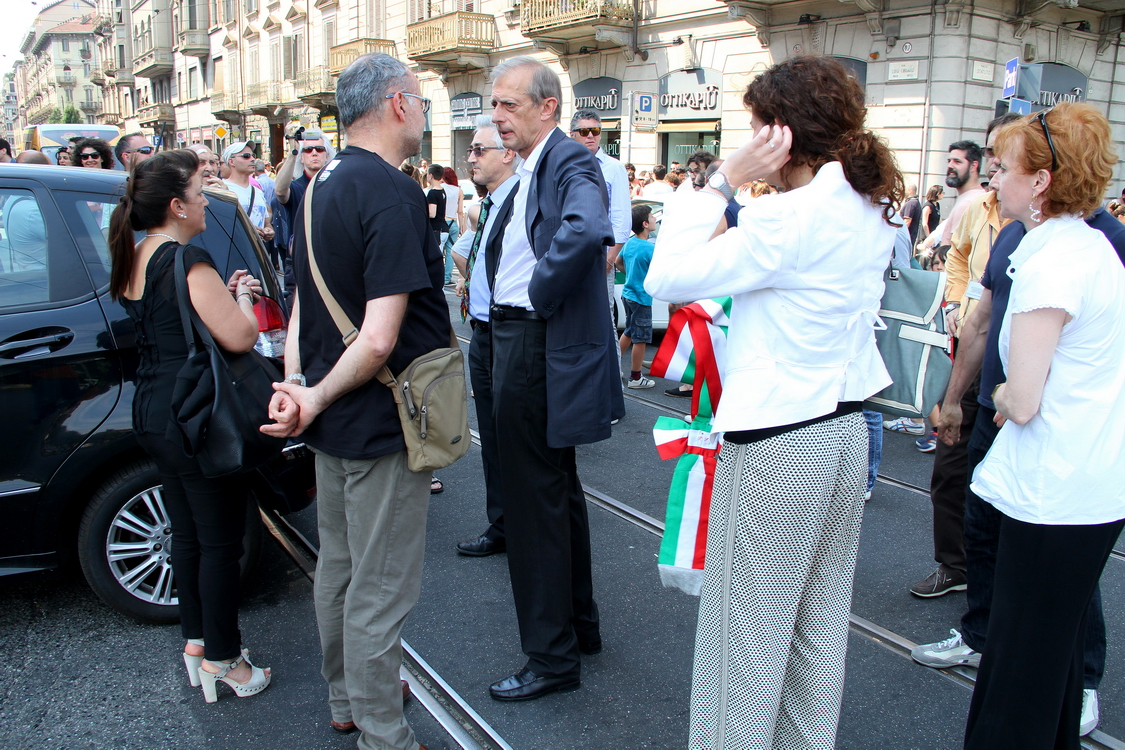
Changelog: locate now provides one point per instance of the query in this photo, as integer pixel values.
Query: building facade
(58, 64)
(666, 75)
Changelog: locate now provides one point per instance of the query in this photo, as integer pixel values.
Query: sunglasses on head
(1042, 118)
(141, 150)
(90, 155)
(588, 131)
(310, 149)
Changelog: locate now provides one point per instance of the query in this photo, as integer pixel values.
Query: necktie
(484, 206)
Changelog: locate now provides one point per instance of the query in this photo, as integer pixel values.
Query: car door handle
(26, 347)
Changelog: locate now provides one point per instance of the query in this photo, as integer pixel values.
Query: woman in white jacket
(805, 268)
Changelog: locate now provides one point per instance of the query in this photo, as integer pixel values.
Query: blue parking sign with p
(644, 103)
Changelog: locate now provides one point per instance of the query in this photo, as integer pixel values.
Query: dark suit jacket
(568, 225)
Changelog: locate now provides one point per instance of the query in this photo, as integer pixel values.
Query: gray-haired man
(379, 259)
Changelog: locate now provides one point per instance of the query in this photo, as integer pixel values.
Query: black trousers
(947, 488)
(548, 532)
(208, 522)
(480, 372)
(982, 537)
(1028, 693)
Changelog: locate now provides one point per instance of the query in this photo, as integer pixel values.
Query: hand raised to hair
(759, 157)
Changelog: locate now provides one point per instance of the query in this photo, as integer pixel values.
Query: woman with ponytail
(805, 268)
(164, 200)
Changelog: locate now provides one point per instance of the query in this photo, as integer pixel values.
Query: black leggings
(208, 523)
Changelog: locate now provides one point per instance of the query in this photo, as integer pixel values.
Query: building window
(66, 43)
(193, 82)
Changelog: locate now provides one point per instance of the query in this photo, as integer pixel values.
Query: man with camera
(312, 151)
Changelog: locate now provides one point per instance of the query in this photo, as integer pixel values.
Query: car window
(23, 249)
(87, 215)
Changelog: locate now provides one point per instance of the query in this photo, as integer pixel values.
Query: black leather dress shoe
(591, 648)
(482, 547)
(525, 685)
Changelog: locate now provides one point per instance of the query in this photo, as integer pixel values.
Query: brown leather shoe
(405, 691)
(344, 727)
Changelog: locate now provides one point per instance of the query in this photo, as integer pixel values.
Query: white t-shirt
(1065, 465)
(257, 213)
(452, 194)
(657, 188)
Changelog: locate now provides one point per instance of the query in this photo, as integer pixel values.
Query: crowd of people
(798, 226)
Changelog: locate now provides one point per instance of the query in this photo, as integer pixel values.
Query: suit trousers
(1028, 693)
(947, 488)
(208, 522)
(371, 517)
(480, 372)
(982, 537)
(548, 531)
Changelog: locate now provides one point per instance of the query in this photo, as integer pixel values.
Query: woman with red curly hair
(454, 216)
(805, 268)
(1054, 471)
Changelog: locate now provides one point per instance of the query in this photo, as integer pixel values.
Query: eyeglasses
(424, 100)
(141, 150)
(90, 155)
(310, 149)
(588, 131)
(478, 151)
(246, 155)
(1042, 118)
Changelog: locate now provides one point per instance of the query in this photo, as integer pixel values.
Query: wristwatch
(718, 181)
(297, 377)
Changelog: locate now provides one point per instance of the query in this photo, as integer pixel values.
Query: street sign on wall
(644, 111)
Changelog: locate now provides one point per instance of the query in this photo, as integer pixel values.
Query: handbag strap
(188, 317)
(348, 330)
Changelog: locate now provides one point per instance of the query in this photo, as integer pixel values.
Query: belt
(507, 312)
(478, 325)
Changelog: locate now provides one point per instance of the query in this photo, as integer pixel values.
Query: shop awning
(611, 124)
(688, 126)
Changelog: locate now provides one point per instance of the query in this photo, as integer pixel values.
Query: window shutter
(287, 57)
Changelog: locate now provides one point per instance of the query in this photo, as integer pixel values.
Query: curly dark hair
(99, 145)
(824, 107)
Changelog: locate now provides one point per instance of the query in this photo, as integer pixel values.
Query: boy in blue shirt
(634, 261)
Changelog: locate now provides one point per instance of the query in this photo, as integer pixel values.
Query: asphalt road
(73, 674)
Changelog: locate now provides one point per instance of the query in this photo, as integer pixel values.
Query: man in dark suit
(555, 374)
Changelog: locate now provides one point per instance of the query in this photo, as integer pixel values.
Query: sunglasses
(425, 102)
(478, 151)
(141, 150)
(1042, 118)
(91, 155)
(246, 155)
(310, 149)
(588, 131)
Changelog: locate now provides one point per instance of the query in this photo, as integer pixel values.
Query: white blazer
(805, 269)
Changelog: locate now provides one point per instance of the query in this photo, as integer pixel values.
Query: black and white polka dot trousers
(773, 614)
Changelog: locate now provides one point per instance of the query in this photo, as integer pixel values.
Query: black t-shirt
(912, 210)
(935, 217)
(372, 239)
(161, 343)
(297, 190)
(436, 196)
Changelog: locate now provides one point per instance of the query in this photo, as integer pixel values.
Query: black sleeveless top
(160, 337)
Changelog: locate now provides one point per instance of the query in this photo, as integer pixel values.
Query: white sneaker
(1090, 714)
(905, 425)
(642, 382)
(951, 652)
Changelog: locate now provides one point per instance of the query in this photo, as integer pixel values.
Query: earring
(184, 216)
(1036, 214)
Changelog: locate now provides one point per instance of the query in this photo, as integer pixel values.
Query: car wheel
(124, 545)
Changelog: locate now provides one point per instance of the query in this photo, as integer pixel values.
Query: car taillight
(271, 328)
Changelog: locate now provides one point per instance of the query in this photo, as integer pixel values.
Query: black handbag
(220, 398)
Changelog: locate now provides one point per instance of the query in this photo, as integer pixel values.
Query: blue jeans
(874, 445)
(982, 537)
(454, 233)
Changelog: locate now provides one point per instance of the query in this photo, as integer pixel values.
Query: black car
(73, 480)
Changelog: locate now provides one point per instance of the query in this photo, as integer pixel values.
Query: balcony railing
(39, 113)
(225, 105)
(153, 114)
(90, 105)
(451, 33)
(194, 43)
(97, 77)
(343, 55)
(65, 79)
(110, 118)
(156, 61)
(546, 17)
(109, 68)
(315, 82)
(124, 77)
(262, 94)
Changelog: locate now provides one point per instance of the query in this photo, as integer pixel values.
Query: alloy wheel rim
(139, 548)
